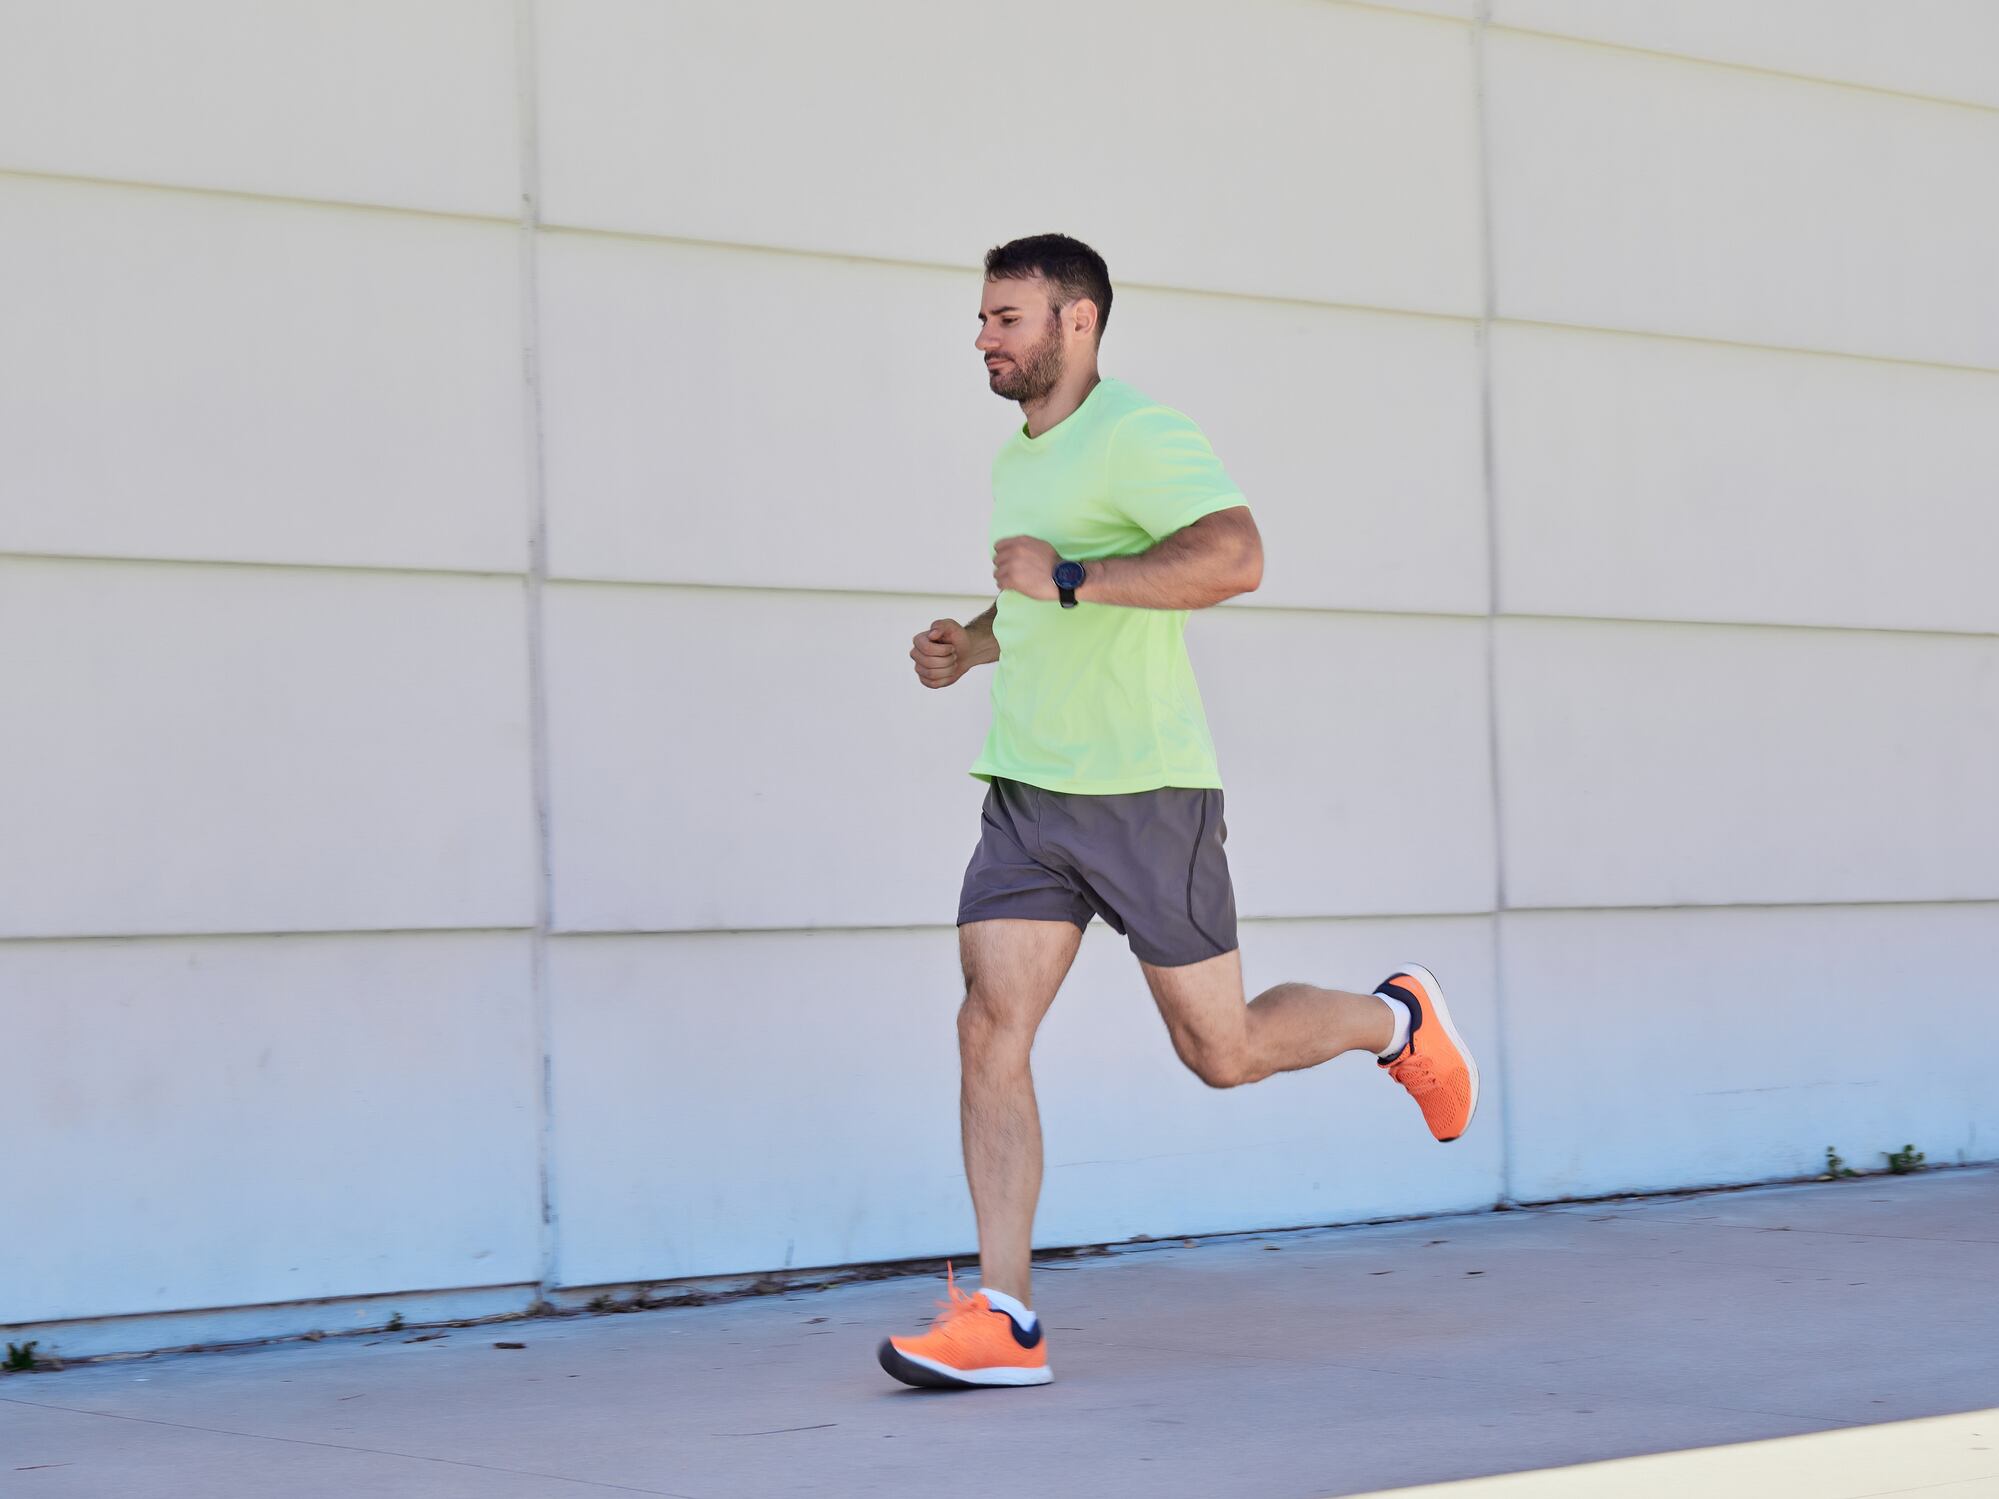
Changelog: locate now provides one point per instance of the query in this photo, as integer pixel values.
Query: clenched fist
(1027, 566)
(942, 654)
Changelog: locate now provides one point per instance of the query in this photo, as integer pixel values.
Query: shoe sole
(913, 1368)
(1443, 1013)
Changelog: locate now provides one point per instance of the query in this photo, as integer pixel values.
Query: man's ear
(1082, 317)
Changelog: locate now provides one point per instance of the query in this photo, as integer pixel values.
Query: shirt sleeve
(1164, 475)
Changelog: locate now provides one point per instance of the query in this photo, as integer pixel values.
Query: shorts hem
(1161, 961)
(1019, 909)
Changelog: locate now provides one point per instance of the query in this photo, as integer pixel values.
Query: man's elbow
(1249, 551)
(1245, 574)
(1249, 574)
(1242, 577)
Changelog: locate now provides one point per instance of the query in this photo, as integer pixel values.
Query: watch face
(1068, 574)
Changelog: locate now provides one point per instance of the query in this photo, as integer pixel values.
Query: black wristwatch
(1068, 578)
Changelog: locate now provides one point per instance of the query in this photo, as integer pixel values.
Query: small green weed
(20, 1357)
(1835, 1165)
(394, 1324)
(1902, 1162)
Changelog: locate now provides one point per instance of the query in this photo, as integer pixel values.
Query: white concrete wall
(471, 470)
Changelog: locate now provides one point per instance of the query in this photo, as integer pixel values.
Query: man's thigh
(1013, 968)
(1201, 1003)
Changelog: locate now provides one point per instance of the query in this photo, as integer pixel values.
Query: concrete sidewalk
(1300, 1364)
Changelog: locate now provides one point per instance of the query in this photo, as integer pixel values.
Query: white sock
(1401, 1013)
(999, 1301)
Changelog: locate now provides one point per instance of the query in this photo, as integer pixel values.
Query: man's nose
(988, 340)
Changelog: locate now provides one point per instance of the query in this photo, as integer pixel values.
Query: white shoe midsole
(1003, 1374)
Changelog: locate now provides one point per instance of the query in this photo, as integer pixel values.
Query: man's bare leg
(1228, 1043)
(1012, 971)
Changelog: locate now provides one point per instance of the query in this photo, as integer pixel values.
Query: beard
(1037, 373)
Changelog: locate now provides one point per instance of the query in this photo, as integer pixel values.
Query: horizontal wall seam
(1762, 70)
(584, 934)
(978, 596)
(558, 229)
(1742, 624)
(1950, 901)
(256, 936)
(1754, 70)
(272, 564)
(1710, 340)
(509, 220)
(1404, 12)
(810, 591)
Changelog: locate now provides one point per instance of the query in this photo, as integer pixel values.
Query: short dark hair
(1069, 265)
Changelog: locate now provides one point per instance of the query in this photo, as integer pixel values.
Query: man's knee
(1220, 1066)
(987, 1025)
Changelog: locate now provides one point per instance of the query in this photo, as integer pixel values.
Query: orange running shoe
(970, 1344)
(1435, 1065)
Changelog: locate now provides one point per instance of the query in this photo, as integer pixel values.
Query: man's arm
(947, 650)
(1218, 557)
(979, 633)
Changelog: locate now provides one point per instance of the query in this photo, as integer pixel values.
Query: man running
(1112, 519)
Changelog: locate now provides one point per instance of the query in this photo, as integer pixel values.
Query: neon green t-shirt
(1101, 699)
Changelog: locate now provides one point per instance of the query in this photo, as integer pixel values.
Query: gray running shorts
(1149, 862)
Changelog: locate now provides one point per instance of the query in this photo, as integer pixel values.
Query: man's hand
(1026, 566)
(942, 653)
